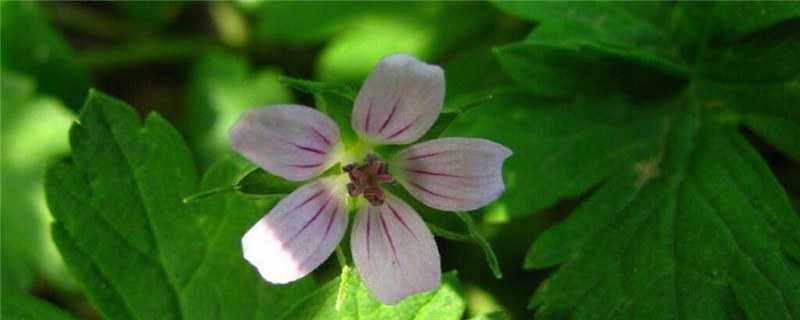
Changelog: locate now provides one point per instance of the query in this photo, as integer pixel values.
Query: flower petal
(299, 233)
(290, 141)
(394, 251)
(453, 174)
(400, 100)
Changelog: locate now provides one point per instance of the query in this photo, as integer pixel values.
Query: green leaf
(686, 220)
(123, 229)
(491, 258)
(17, 306)
(731, 21)
(634, 32)
(542, 68)
(445, 303)
(316, 87)
(711, 235)
(635, 25)
(779, 132)
(31, 46)
(560, 148)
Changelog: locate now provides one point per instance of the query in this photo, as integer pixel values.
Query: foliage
(656, 156)
(646, 103)
(126, 234)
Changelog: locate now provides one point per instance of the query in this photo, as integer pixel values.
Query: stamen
(366, 179)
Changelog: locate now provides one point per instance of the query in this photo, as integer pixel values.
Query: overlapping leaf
(688, 221)
(123, 229)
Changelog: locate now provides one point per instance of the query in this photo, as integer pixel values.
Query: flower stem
(205, 194)
(491, 258)
(341, 258)
(449, 235)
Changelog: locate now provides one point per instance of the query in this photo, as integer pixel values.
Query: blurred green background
(200, 65)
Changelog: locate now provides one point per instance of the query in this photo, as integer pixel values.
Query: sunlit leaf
(125, 232)
(356, 302)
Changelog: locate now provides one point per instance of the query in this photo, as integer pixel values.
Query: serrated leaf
(709, 236)
(634, 32)
(447, 302)
(691, 224)
(126, 234)
(18, 306)
(560, 148)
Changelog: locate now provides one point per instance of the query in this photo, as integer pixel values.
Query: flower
(393, 250)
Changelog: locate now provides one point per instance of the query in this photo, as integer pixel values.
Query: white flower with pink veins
(393, 250)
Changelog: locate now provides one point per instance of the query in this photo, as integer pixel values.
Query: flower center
(367, 178)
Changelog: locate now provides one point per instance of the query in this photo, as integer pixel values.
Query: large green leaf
(687, 221)
(703, 233)
(349, 299)
(619, 97)
(123, 229)
(560, 148)
(31, 46)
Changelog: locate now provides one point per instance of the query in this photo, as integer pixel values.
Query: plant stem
(205, 194)
(449, 235)
(341, 257)
(491, 259)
